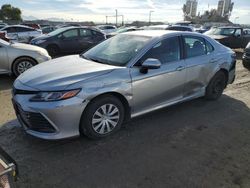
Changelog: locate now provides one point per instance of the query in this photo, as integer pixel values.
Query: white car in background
(20, 33)
(107, 28)
(15, 58)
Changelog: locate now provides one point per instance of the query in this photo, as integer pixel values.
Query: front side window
(237, 32)
(165, 51)
(209, 47)
(70, 34)
(194, 46)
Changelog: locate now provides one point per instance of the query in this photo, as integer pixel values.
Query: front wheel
(23, 64)
(216, 86)
(102, 117)
(246, 64)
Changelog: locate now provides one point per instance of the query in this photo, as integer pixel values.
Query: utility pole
(116, 16)
(149, 21)
(106, 19)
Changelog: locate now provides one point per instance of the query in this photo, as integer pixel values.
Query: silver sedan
(123, 77)
(15, 58)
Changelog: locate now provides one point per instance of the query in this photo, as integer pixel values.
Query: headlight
(54, 95)
(39, 41)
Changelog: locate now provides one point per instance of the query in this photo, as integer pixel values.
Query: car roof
(162, 33)
(229, 27)
(23, 26)
(152, 33)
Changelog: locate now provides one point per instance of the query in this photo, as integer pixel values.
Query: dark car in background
(122, 30)
(246, 57)
(33, 25)
(69, 40)
(180, 28)
(232, 37)
(48, 29)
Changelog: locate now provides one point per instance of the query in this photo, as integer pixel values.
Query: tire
(246, 64)
(216, 86)
(53, 50)
(22, 64)
(95, 126)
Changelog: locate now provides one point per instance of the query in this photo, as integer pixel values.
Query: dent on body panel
(118, 81)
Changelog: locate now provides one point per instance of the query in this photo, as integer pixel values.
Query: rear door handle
(180, 68)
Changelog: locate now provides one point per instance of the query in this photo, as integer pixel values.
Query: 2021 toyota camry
(125, 76)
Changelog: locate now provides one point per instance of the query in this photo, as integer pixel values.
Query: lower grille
(35, 121)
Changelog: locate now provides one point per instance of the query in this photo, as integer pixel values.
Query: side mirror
(150, 63)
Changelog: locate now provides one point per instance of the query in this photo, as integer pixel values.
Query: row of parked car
(67, 39)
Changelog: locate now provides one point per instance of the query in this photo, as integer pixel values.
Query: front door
(68, 41)
(160, 86)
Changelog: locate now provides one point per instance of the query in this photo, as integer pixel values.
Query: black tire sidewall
(86, 120)
(19, 60)
(210, 95)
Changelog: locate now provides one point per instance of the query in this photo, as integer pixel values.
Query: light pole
(236, 19)
(116, 15)
(149, 21)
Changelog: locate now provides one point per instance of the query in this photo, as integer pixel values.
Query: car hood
(217, 37)
(29, 47)
(60, 73)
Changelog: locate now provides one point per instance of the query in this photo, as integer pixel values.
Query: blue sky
(87, 10)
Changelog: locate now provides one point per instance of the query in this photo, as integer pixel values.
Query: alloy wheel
(105, 119)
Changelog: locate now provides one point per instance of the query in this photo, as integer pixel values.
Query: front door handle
(180, 68)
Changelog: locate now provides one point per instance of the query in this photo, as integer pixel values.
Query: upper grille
(22, 92)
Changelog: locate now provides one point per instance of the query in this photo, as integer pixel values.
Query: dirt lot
(195, 144)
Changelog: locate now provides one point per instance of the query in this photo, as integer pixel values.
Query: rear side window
(209, 47)
(85, 33)
(194, 46)
(166, 51)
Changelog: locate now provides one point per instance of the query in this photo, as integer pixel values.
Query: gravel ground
(199, 144)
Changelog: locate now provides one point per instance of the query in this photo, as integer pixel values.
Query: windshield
(58, 31)
(221, 31)
(118, 50)
(4, 42)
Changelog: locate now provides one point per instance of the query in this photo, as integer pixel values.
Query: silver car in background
(15, 58)
(21, 33)
(123, 77)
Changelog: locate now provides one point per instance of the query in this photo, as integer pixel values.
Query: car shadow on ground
(6, 82)
(149, 151)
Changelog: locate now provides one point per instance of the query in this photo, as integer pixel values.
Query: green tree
(8, 12)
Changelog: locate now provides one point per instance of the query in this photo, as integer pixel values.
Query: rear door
(199, 60)
(86, 39)
(159, 86)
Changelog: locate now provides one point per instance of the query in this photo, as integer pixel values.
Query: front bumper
(42, 59)
(246, 57)
(61, 119)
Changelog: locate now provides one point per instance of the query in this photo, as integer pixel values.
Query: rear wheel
(23, 64)
(53, 50)
(216, 86)
(102, 117)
